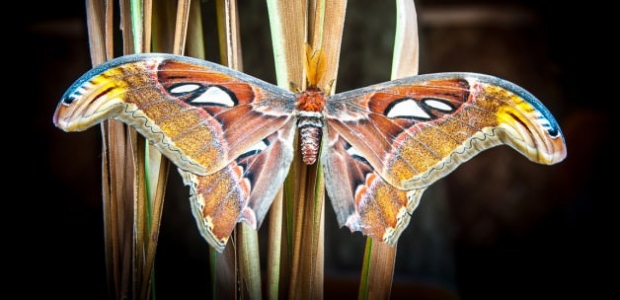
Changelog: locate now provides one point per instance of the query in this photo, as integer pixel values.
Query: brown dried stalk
(378, 267)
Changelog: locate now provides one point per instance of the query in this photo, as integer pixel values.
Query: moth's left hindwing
(228, 132)
(243, 191)
(394, 139)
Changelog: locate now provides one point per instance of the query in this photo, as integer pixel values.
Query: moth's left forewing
(199, 114)
(246, 109)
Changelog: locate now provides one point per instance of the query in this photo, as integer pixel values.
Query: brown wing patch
(455, 91)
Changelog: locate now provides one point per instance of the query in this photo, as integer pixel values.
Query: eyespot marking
(406, 108)
(184, 88)
(438, 105)
(215, 95)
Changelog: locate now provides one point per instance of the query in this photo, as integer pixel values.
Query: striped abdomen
(310, 132)
(310, 105)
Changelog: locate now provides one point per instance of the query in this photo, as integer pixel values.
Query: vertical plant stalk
(194, 46)
(153, 167)
(325, 20)
(116, 165)
(138, 146)
(229, 34)
(293, 24)
(275, 255)
(135, 23)
(134, 29)
(177, 28)
(123, 143)
(156, 168)
(287, 21)
(180, 28)
(226, 280)
(405, 61)
(379, 258)
(131, 227)
(99, 15)
(248, 277)
(187, 16)
(377, 270)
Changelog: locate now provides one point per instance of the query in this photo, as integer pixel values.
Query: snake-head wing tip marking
(530, 128)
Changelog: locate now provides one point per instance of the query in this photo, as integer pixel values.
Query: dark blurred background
(499, 226)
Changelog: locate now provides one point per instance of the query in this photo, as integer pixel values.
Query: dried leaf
(406, 46)
(288, 35)
(248, 274)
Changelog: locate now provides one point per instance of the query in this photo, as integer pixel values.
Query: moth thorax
(310, 138)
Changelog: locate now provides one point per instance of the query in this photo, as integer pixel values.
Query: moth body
(310, 104)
